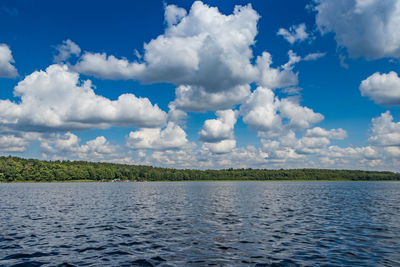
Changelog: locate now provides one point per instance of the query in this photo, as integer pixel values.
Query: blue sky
(212, 84)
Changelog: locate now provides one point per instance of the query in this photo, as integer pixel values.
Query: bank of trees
(13, 169)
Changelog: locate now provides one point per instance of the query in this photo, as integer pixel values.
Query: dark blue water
(201, 224)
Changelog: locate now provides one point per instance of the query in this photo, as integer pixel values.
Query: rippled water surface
(200, 224)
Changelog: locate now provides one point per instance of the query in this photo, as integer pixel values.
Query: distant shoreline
(16, 170)
(170, 181)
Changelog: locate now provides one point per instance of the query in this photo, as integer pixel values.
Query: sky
(205, 85)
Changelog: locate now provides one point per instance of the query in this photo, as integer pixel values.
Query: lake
(200, 224)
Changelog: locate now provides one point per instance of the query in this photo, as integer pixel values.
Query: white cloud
(206, 54)
(339, 134)
(221, 147)
(300, 117)
(393, 151)
(385, 132)
(204, 48)
(288, 146)
(7, 70)
(57, 99)
(283, 150)
(197, 99)
(366, 28)
(65, 50)
(301, 149)
(108, 67)
(296, 33)
(219, 129)
(315, 142)
(176, 115)
(382, 88)
(12, 143)
(173, 14)
(260, 110)
(350, 155)
(264, 112)
(276, 77)
(314, 56)
(56, 146)
(172, 137)
(293, 59)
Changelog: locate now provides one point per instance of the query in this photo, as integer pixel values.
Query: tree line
(14, 169)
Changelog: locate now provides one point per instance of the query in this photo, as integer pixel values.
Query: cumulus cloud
(197, 99)
(204, 48)
(219, 129)
(385, 132)
(57, 146)
(108, 67)
(338, 134)
(57, 99)
(383, 88)
(288, 146)
(221, 147)
(345, 155)
(393, 151)
(12, 143)
(7, 70)
(260, 110)
(173, 14)
(66, 50)
(276, 77)
(263, 112)
(206, 54)
(365, 28)
(290, 149)
(296, 33)
(171, 137)
(300, 117)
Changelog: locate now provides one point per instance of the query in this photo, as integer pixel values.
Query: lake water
(200, 224)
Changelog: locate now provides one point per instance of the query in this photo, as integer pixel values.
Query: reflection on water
(201, 223)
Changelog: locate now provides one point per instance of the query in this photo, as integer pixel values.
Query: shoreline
(168, 181)
(14, 169)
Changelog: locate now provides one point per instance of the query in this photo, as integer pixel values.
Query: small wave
(141, 263)
(27, 255)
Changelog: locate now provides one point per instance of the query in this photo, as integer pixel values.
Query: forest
(14, 169)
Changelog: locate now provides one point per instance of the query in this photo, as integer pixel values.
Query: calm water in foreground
(200, 224)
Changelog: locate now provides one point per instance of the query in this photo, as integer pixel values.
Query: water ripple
(200, 224)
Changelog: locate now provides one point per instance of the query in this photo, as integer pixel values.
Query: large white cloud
(57, 99)
(299, 116)
(382, 88)
(264, 112)
(171, 137)
(385, 132)
(7, 70)
(219, 129)
(205, 48)
(260, 110)
(206, 54)
(366, 28)
(276, 77)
